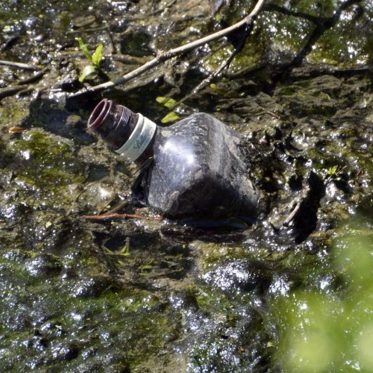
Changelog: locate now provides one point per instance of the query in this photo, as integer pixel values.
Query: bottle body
(198, 171)
(191, 169)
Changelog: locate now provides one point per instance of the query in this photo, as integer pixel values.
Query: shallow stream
(151, 295)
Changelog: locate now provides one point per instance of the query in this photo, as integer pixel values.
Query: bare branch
(225, 64)
(19, 65)
(119, 216)
(163, 56)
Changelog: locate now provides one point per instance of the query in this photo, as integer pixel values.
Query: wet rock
(44, 265)
(90, 286)
(97, 196)
(238, 276)
(54, 118)
(65, 352)
(70, 82)
(50, 330)
(136, 42)
(303, 216)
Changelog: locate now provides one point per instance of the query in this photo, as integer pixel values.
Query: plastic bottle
(191, 169)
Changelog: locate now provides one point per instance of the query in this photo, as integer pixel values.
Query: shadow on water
(49, 115)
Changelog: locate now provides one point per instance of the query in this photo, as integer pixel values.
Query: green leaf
(217, 90)
(170, 117)
(98, 55)
(125, 251)
(331, 171)
(169, 103)
(88, 70)
(83, 47)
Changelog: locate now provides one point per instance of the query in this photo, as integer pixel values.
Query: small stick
(271, 113)
(166, 55)
(119, 216)
(10, 91)
(205, 82)
(19, 65)
(34, 78)
(292, 214)
(169, 5)
(16, 129)
(225, 64)
(19, 88)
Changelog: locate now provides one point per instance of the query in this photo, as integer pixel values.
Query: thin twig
(22, 85)
(169, 5)
(271, 113)
(19, 65)
(166, 55)
(118, 216)
(292, 214)
(16, 129)
(33, 78)
(205, 82)
(289, 12)
(87, 30)
(225, 64)
(10, 91)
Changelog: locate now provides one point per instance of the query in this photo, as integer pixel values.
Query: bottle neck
(129, 134)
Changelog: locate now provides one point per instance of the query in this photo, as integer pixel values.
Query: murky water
(147, 295)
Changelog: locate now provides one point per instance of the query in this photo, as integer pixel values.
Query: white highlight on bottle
(139, 139)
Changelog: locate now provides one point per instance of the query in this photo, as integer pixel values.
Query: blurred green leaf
(331, 331)
(98, 55)
(354, 259)
(84, 48)
(365, 343)
(170, 117)
(88, 70)
(169, 103)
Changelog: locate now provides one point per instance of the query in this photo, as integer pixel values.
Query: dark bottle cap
(126, 132)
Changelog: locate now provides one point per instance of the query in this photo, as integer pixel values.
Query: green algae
(45, 162)
(12, 113)
(61, 323)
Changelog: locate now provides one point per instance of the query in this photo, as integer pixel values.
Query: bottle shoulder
(195, 148)
(198, 128)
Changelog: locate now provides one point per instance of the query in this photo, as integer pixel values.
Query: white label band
(139, 140)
